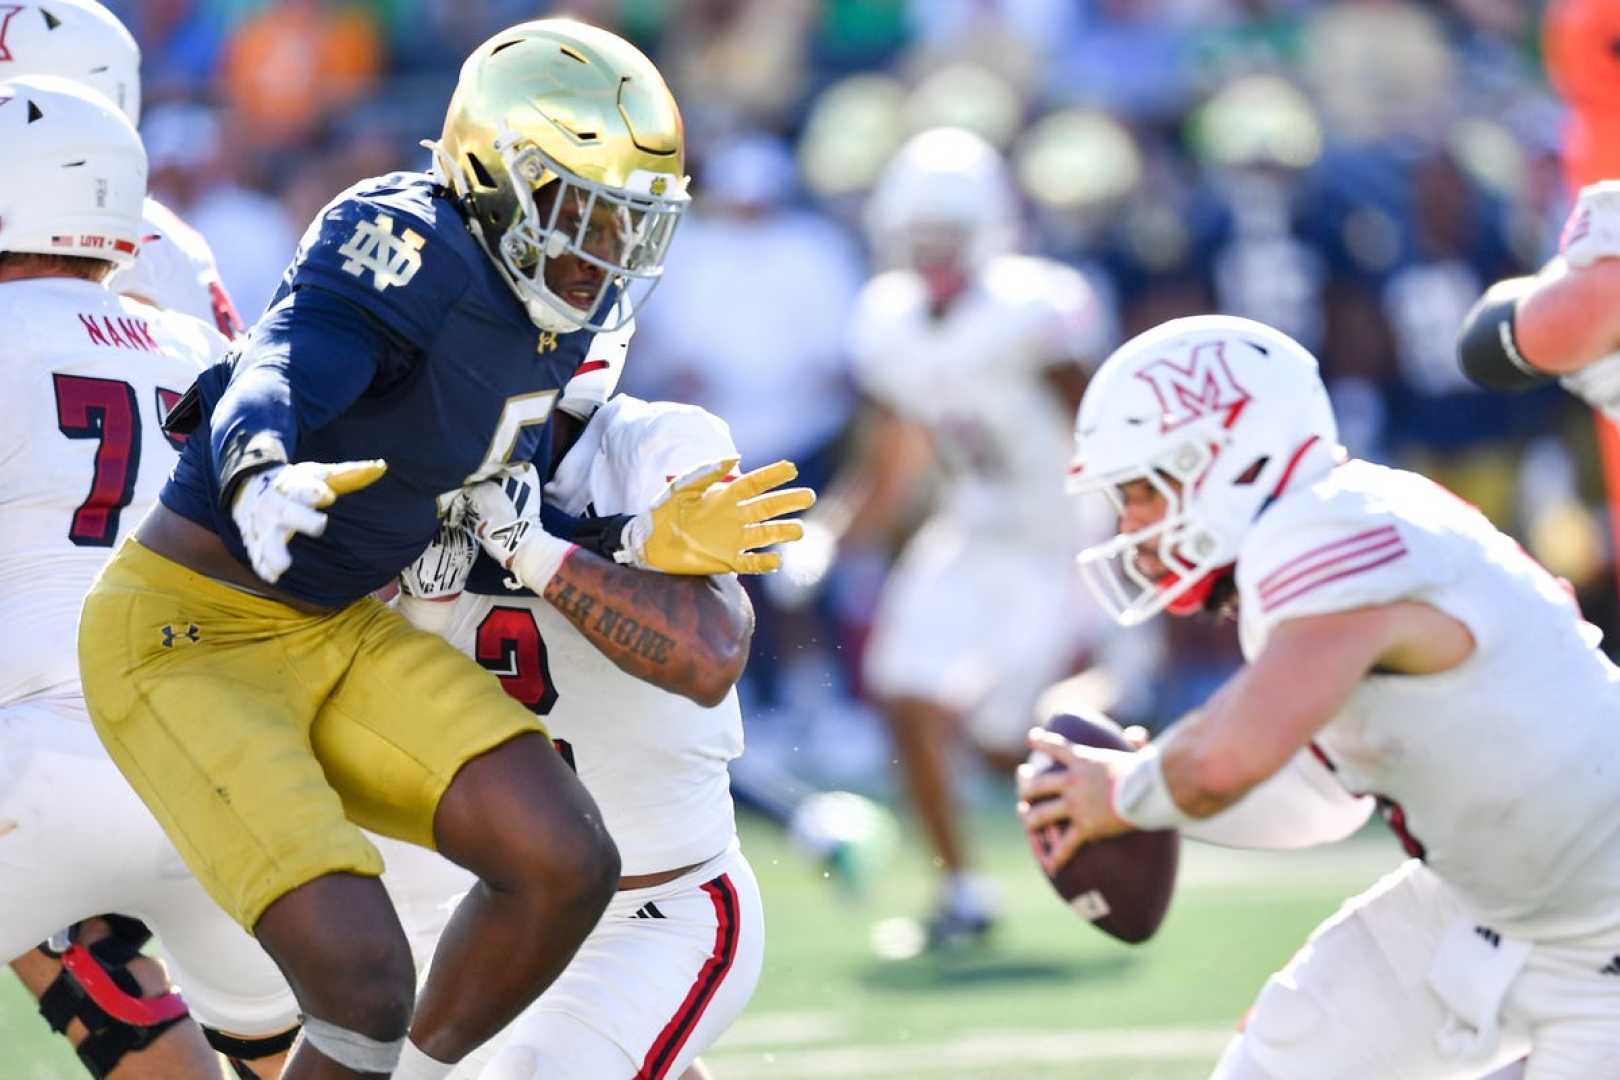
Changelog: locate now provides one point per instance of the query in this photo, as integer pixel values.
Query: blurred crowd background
(1352, 171)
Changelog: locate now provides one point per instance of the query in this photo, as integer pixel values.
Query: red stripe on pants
(668, 1045)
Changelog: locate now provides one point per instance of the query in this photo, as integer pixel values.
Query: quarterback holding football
(1391, 630)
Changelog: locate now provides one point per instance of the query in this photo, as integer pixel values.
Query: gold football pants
(262, 737)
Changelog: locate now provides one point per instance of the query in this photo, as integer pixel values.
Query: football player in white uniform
(678, 952)
(1562, 323)
(974, 358)
(1423, 655)
(83, 41)
(87, 380)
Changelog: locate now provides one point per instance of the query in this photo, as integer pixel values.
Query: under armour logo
(190, 633)
(392, 260)
(547, 342)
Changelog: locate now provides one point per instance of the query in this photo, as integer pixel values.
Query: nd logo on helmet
(392, 260)
(1203, 386)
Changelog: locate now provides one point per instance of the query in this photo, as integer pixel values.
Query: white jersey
(175, 270)
(974, 378)
(1504, 772)
(86, 378)
(655, 762)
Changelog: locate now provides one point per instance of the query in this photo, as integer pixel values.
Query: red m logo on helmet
(7, 12)
(1203, 386)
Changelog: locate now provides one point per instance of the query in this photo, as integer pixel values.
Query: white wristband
(1142, 798)
(539, 558)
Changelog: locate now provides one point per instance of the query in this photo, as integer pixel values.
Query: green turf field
(1051, 998)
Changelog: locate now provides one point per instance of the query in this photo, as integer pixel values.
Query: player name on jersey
(120, 332)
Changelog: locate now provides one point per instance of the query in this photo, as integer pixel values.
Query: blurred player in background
(81, 40)
(679, 950)
(974, 358)
(432, 321)
(1421, 654)
(1563, 323)
(88, 380)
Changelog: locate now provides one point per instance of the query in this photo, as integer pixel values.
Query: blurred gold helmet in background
(563, 140)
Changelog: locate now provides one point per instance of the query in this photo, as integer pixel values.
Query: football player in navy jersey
(420, 340)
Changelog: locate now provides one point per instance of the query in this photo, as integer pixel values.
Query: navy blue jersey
(392, 336)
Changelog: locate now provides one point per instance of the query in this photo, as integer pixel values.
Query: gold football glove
(700, 525)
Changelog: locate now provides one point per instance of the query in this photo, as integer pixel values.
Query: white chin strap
(547, 317)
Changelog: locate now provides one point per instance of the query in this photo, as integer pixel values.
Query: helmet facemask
(624, 235)
(1190, 552)
(938, 252)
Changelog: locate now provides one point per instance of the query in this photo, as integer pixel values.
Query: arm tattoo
(687, 635)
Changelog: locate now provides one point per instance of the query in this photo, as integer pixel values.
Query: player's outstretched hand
(704, 525)
(274, 503)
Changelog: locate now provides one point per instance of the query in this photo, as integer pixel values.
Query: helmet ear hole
(1252, 473)
(480, 173)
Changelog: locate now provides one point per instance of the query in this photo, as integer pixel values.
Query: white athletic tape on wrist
(1142, 797)
(539, 558)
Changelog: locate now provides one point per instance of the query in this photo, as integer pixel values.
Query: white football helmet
(943, 182)
(1220, 415)
(75, 177)
(75, 39)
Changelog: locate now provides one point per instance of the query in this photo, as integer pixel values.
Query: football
(1122, 884)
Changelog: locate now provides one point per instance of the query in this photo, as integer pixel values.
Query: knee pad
(239, 1050)
(351, 1049)
(96, 988)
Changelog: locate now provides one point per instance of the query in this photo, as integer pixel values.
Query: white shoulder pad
(194, 339)
(598, 374)
(1334, 546)
(175, 267)
(1301, 805)
(645, 445)
(1057, 311)
(883, 328)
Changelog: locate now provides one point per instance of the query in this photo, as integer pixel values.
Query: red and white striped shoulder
(1354, 539)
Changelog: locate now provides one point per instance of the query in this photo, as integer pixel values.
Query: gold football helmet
(566, 151)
